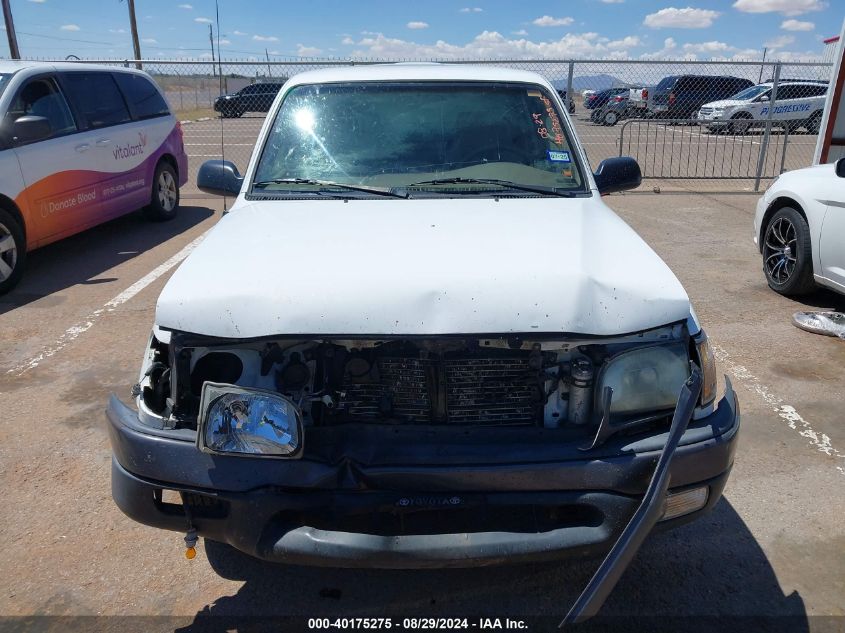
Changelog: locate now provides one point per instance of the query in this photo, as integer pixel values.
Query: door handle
(103, 142)
(82, 148)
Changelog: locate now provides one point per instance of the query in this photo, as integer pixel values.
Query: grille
(706, 110)
(476, 391)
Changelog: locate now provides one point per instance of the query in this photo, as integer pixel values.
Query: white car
(416, 338)
(799, 104)
(799, 228)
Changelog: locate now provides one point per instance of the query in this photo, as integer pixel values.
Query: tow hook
(190, 543)
(191, 537)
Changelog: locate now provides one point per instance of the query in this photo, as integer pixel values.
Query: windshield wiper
(380, 191)
(552, 191)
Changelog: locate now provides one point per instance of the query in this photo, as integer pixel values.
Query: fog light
(680, 503)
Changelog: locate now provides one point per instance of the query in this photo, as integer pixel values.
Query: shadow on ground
(709, 575)
(82, 258)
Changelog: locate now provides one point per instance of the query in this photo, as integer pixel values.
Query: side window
(42, 97)
(814, 91)
(97, 97)
(142, 95)
(789, 91)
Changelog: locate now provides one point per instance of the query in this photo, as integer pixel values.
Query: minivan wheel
(611, 118)
(165, 195)
(787, 260)
(12, 251)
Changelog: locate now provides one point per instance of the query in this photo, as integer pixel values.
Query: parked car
(598, 99)
(393, 372)
(640, 101)
(799, 104)
(79, 145)
(256, 97)
(615, 109)
(681, 96)
(570, 103)
(799, 228)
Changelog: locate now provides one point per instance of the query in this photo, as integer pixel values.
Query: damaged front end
(423, 451)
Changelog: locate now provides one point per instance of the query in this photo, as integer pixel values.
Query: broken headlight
(248, 421)
(645, 380)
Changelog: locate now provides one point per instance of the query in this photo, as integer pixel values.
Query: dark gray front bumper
(258, 505)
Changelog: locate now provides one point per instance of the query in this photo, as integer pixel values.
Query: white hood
(441, 266)
(725, 103)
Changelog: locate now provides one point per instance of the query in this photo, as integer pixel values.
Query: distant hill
(590, 82)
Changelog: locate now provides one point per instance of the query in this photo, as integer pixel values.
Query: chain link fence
(708, 126)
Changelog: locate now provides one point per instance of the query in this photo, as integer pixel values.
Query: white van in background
(79, 145)
(799, 103)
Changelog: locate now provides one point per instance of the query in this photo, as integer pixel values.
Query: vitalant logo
(129, 150)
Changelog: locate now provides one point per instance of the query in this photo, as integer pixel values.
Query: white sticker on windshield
(559, 157)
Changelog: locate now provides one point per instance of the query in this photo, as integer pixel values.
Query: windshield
(399, 134)
(666, 83)
(750, 93)
(4, 81)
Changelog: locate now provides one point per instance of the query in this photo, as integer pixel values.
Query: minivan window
(397, 134)
(42, 97)
(144, 98)
(97, 97)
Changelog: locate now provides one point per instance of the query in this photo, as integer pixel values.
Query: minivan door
(60, 171)
(120, 145)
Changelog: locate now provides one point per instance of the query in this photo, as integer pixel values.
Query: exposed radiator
(449, 391)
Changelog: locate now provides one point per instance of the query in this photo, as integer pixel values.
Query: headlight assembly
(248, 421)
(644, 380)
(707, 362)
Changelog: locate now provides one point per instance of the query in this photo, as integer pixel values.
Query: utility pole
(211, 39)
(133, 26)
(763, 65)
(267, 55)
(14, 53)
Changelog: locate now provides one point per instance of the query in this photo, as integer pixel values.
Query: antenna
(220, 83)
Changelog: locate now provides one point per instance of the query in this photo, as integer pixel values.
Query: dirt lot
(73, 332)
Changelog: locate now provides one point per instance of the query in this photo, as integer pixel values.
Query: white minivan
(79, 145)
(799, 104)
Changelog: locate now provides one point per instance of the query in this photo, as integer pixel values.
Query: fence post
(761, 161)
(569, 96)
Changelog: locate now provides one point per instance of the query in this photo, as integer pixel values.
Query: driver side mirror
(30, 128)
(617, 174)
(219, 178)
(840, 167)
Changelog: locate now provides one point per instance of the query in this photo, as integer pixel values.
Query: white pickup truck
(798, 103)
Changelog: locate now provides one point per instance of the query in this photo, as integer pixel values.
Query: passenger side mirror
(840, 168)
(219, 178)
(617, 174)
(764, 98)
(30, 128)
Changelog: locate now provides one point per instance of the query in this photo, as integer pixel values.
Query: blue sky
(714, 29)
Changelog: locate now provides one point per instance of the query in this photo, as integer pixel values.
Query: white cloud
(797, 25)
(548, 20)
(274, 53)
(417, 25)
(787, 7)
(520, 32)
(468, 10)
(780, 41)
(347, 41)
(69, 27)
(117, 31)
(239, 33)
(185, 6)
(709, 48)
(688, 18)
(307, 51)
(225, 42)
(36, 2)
(265, 38)
(494, 45)
(202, 20)
(149, 40)
(613, 1)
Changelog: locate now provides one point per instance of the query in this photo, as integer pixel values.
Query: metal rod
(14, 52)
(761, 161)
(569, 96)
(133, 28)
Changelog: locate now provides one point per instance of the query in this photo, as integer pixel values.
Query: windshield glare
(750, 93)
(394, 134)
(4, 81)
